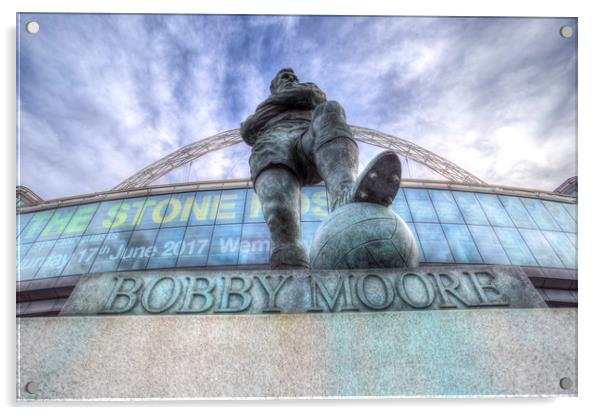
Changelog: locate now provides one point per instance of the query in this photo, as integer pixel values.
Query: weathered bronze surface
(300, 138)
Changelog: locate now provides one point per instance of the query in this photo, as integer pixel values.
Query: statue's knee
(331, 108)
(277, 212)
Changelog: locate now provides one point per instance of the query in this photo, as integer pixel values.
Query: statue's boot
(289, 256)
(278, 191)
(337, 162)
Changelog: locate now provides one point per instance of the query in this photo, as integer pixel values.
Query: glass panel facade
(225, 243)
(255, 244)
(84, 255)
(564, 220)
(470, 208)
(445, 206)
(494, 210)
(563, 248)
(177, 211)
(420, 205)
(314, 204)
(231, 206)
(226, 228)
(58, 257)
(167, 248)
(195, 246)
(515, 247)
(434, 244)
(462, 246)
(517, 212)
(488, 244)
(540, 215)
(110, 253)
(542, 251)
(138, 251)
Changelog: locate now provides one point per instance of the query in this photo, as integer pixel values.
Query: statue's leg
(334, 151)
(278, 191)
(335, 155)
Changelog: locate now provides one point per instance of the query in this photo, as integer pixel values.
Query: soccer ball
(361, 236)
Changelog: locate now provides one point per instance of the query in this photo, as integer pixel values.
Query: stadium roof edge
(238, 183)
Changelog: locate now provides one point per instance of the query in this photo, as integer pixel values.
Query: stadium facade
(220, 225)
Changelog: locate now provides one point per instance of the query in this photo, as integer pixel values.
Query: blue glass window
(253, 212)
(400, 206)
(167, 248)
(255, 244)
(541, 249)
(494, 210)
(34, 258)
(308, 230)
(57, 223)
(572, 209)
(58, 257)
(178, 210)
(565, 250)
(517, 212)
(231, 206)
(139, 250)
(104, 217)
(84, 254)
(204, 208)
(461, 244)
(420, 206)
(488, 244)
(573, 238)
(445, 205)
(515, 247)
(413, 229)
(225, 243)
(433, 242)
(129, 214)
(21, 252)
(80, 220)
(153, 212)
(470, 208)
(561, 216)
(111, 252)
(22, 221)
(35, 226)
(541, 216)
(314, 203)
(195, 246)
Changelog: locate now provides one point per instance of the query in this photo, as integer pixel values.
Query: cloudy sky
(102, 96)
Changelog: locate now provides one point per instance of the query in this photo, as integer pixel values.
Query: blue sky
(102, 96)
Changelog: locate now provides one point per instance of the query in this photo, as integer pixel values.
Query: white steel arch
(403, 148)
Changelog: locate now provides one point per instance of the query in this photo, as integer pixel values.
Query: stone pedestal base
(478, 352)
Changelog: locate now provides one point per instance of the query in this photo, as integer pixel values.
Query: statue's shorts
(293, 143)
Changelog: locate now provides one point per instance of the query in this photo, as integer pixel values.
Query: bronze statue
(299, 138)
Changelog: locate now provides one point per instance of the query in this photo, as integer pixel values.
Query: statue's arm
(303, 96)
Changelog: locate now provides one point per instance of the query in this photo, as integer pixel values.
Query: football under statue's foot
(378, 183)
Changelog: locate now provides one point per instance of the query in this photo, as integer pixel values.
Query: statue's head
(284, 78)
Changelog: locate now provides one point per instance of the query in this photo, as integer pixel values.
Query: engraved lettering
(272, 292)
(389, 294)
(120, 291)
(402, 290)
(193, 292)
(242, 293)
(444, 290)
(170, 298)
(331, 300)
(480, 287)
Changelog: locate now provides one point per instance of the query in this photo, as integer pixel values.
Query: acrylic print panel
(193, 222)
